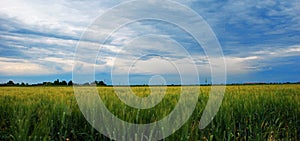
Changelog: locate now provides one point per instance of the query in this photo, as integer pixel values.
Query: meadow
(248, 112)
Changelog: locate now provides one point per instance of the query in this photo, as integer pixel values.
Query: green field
(252, 112)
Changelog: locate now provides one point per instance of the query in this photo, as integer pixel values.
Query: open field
(252, 112)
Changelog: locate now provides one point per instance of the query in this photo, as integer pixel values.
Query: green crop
(253, 112)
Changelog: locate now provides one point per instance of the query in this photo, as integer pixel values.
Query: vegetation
(252, 112)
(57, 82)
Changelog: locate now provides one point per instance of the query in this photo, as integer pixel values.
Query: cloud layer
(39, 38)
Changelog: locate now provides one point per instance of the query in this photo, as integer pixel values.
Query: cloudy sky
(260, 41)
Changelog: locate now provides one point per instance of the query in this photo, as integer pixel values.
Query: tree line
(56, 82)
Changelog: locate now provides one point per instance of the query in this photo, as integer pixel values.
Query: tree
(70, 83)
(10, 83)
(56, 82)
(86, 84)
(64, 83)
(101, 83)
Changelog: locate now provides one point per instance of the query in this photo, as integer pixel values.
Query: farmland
(248, 112)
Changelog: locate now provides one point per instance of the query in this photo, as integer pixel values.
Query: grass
(253, 112)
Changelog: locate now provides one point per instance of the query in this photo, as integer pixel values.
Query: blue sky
(259, 39)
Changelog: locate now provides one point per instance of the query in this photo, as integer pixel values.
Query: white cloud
(240, 65)
(49, 55)
(32, 39)
(60, 17)
(279, 52)
(21, 67)
(64, 64)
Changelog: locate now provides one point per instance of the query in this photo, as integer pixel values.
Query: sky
(260, 41)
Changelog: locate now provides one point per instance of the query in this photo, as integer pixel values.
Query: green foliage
(100, 83)
(254, 112)
(70, 83)
(10, 83)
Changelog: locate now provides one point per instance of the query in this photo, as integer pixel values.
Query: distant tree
(64, 83)
(22, 84)
(10, 83)
(70, 83)
(56, 82)
(86, 84)
(49, 84)
(101, 83)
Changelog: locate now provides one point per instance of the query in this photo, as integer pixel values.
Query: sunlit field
(250, 112)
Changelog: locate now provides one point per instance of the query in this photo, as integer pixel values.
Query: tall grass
(254, 112)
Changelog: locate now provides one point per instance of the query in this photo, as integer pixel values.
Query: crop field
(248, 112)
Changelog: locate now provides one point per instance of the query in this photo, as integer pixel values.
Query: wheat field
(248, 112)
